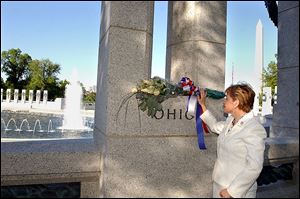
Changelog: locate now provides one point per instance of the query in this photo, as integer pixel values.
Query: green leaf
(143, 106)
(214, 94)
(159, 107)
(153, 111)
(149, 112)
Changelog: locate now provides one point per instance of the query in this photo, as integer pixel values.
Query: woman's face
(229, 104)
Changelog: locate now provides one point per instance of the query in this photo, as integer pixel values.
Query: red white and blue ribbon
(193, 107)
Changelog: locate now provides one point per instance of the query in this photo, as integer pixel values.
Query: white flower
(156, 92)
(134, 90)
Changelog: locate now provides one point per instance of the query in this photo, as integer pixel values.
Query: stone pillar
(16, 95)
(8, 95)
(286, 111)
(124, 57)
(196, 45)
(23, 99)
(1, 94)
(266, 101)
(45, 96)
(30, 98)
(275, 97)
(285, 124)
(38, 96)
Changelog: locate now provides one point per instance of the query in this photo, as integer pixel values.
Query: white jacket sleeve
(212, 123)
(255, 146)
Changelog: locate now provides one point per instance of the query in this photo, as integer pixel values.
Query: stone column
(286, 111)
(196, 45)
(23, 99)
(275, 96)
(38, 96)
(285, 125)
(45, 96)
(30, 98)
(124, 57)
(8, 95)
(16, 95)
(266, 102)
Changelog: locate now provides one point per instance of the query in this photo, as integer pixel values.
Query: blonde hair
(244, 93)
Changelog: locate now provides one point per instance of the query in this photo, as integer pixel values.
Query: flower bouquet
(150, 93)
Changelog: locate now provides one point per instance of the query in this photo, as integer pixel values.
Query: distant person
(240, 145)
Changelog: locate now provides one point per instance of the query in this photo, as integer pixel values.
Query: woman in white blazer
(240, 146)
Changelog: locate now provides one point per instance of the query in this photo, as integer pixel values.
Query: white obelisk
(259, 60)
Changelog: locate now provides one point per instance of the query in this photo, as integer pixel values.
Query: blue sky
(68, 34)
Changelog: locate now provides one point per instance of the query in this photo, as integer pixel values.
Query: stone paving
(280, 189)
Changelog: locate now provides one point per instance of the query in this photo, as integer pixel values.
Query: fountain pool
(44, 125)
(30, 125)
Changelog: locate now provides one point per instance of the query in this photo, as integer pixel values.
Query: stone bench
(280, 151)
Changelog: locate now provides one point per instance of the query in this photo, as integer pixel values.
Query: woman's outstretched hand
(202, 99)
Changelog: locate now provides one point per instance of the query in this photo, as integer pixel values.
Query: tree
(270, 75)
(87, 96)
(90, 97)
(36, 81)
(15, 65)
(43, 76)
(83, 89)
(3, 86)
(61, 88)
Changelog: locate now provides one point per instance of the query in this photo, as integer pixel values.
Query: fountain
(50, 130)
(3, 122)
(73, 120)
(72, 124)
(3, 127)
(28, 126)
(13, 120)
(40, 126)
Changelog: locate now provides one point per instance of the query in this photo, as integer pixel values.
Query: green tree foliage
(15, 65)
(43, 76)
(59, 90)
(270, 75)
(24, 73)
(43, 73)
(36, 81)
(83, 88)
(3, 86)
(89, 97)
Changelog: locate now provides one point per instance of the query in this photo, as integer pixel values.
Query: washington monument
(259, 61)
